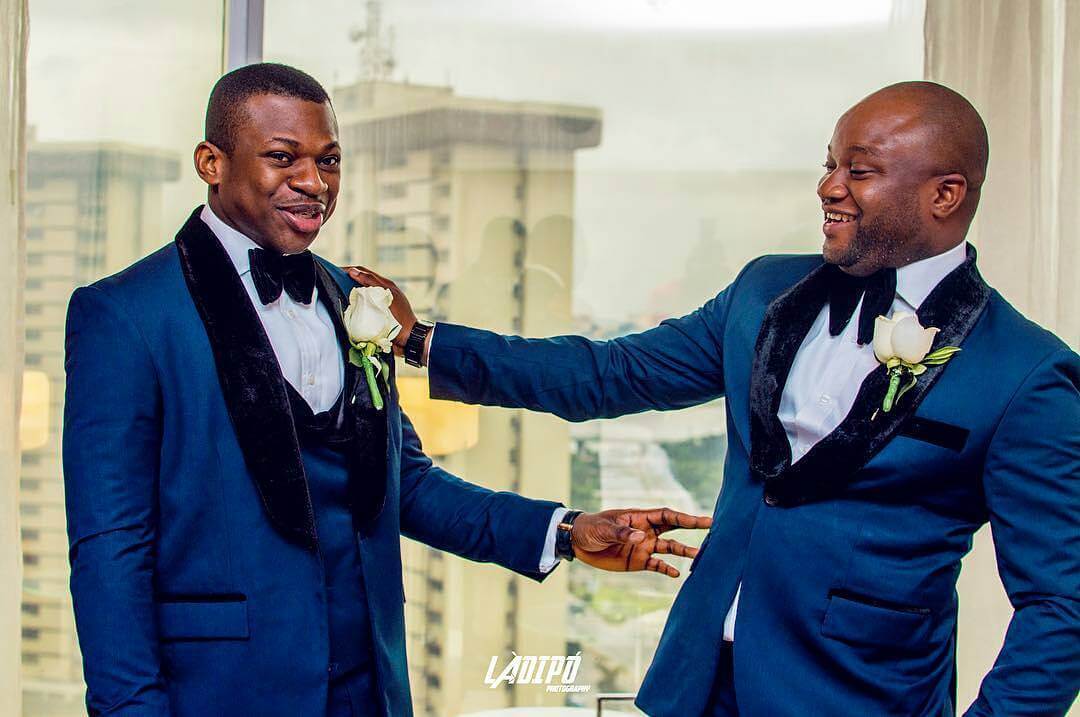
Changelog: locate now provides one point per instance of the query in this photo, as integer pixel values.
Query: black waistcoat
(338, 454)
(324, 446)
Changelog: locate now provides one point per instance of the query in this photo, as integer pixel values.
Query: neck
(220, 212)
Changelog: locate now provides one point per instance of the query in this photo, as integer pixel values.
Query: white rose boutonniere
(371, 329)
(902, 343)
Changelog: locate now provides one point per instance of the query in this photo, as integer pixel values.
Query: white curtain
(13, 44)
(1018, 61)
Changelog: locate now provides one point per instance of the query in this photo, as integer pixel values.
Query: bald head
(954, 133)
(904, 170)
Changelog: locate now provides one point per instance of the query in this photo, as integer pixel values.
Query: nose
(307, 179)
(831, 188)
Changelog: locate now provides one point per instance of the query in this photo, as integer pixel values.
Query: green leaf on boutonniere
(940, 356)
(364, 358)
(910, 385)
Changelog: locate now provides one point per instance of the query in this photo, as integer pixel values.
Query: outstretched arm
(480, 524)
(1032, 483)
(677, 364)
(111, 446)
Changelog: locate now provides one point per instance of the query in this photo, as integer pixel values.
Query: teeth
(834, 217)
(303, 211)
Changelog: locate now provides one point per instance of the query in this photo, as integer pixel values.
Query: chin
(833, 253)
(287, 241)
(296, 244)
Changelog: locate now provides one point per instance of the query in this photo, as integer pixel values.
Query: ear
(950, 190)
(210, 162)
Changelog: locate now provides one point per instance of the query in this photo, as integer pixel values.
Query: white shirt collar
(915, 281)
(236, 244)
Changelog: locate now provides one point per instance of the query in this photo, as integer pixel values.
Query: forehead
(267, 116)
(886, 128)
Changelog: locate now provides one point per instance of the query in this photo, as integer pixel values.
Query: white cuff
(548, 561)
(430, 342)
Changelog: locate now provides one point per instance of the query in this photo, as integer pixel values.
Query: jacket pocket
(202, 617)
(939, 433)
(861, 620)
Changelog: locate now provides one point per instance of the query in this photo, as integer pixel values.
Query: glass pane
(117, 92)
(589, 167)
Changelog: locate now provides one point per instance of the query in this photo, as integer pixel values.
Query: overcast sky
(687, 88)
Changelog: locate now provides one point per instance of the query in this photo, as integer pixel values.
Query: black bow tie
(272, 272)
(878, 291)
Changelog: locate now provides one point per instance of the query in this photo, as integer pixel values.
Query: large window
(116, 96)
(588, 167)
(538, 167)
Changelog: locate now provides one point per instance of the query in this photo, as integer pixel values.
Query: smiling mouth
(837, 218)
(304, 218)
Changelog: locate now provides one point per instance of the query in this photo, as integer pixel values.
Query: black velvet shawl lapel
(369, 447)
(251, 382)
(953, 306)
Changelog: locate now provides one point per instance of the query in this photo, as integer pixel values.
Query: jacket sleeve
(1032, 484)
(477, 523)
(111, 444)
(677, 364)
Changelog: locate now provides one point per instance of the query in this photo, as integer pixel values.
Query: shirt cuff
(431, 344)
(548, 561)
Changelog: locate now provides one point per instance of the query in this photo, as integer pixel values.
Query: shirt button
(770, 500)
(824, 400)
(311, 379)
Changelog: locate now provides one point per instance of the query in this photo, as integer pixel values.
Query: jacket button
(770, 500)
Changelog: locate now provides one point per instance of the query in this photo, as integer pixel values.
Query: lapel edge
(251, 382)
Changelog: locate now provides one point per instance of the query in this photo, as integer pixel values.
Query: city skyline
(728, 112)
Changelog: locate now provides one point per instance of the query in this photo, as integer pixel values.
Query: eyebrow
(863, 149)
(856, 148)
(293, 143)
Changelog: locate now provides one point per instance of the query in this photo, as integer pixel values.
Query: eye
(829, 166)
(331, 161)
(860, 172)
(279, 156)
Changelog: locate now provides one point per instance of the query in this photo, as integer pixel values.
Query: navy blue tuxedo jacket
(196, 576)
(848, 558)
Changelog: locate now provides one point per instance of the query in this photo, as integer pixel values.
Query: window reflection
(114, 110)
(535, 168)
(544, 168)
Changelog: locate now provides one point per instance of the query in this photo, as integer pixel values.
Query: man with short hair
(859, 461)
(236, 490)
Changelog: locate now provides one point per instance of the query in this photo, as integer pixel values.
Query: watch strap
(414, 345)
(564, 544)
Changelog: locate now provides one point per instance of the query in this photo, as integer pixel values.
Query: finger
(360, 276)
(664, 519)
(674, 547)
(659, 566)
(369, 277)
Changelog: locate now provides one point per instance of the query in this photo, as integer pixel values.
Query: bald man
(858, 466)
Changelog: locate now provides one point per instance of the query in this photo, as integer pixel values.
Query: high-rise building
(468, 204)
(91, 209)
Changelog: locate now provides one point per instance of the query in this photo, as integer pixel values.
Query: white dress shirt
(306, 345)
(828, 370)
(302, 335)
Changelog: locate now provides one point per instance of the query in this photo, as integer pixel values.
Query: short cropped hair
(225, 111)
